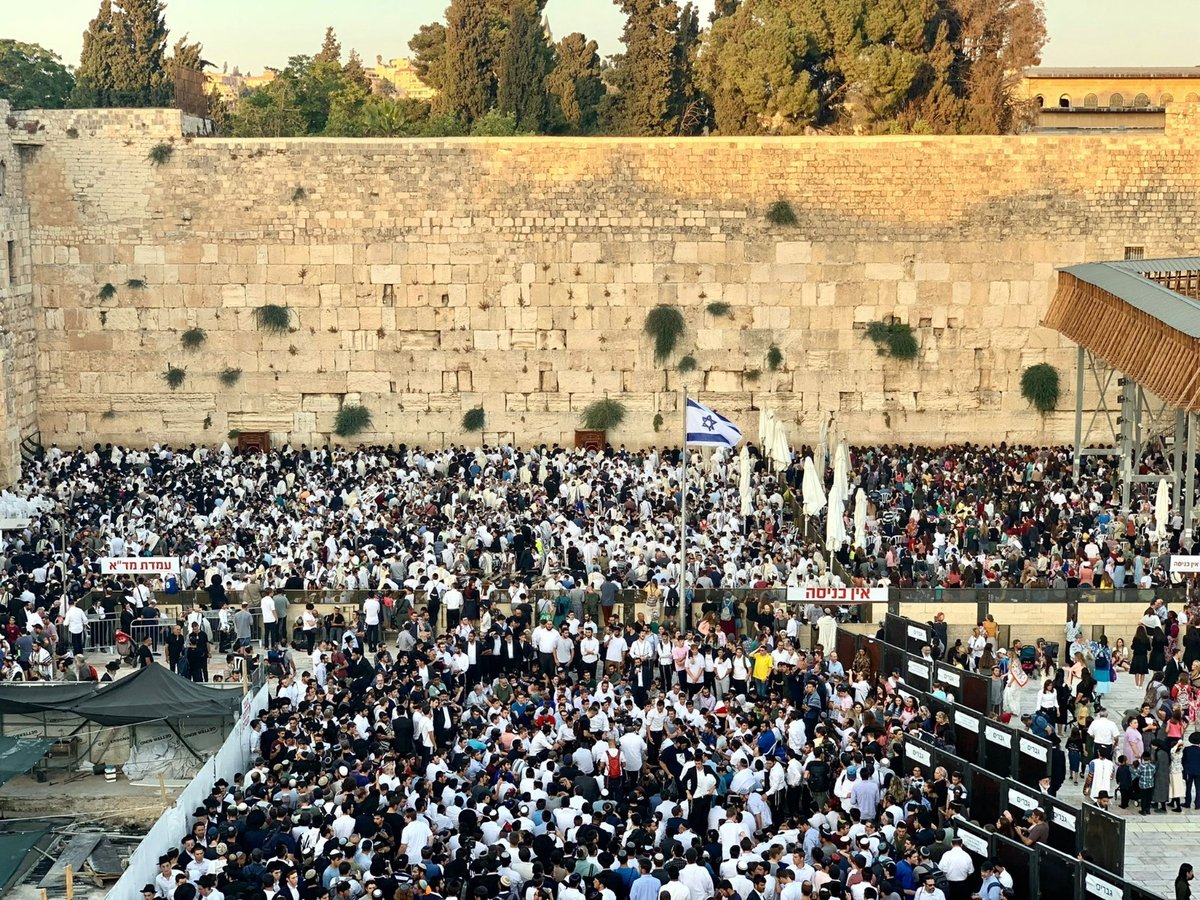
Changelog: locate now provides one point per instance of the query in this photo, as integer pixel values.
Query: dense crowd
(538, 744)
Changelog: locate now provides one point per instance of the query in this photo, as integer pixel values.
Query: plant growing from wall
(299, 194)
(135, 284)
(658, 421)
(1039, 385)
(107, 292)
(774, 358)
(894, 339)
(230, 377)
(752, 375)
(193, 338)
(603, 415)
(720, 308)
(474, 419)
(234, 434)
(273, 318)
(687, 364)
(352, 419)
(160, 154)
(174, 376)
(664, 324)
(781, 213)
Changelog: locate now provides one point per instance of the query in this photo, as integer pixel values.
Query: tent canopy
(19, 755)
(148, 695)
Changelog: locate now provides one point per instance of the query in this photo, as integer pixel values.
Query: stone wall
(429, 277)
(18, 323)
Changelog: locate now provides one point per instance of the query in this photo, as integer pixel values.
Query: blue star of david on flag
(705, 427)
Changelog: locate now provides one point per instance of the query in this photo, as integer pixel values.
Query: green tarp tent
(19, 755)
(148, 695)
(13, 848)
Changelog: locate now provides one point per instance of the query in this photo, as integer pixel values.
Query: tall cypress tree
(141, 75)
(470, 88)
(647, 70)
(101, 44)
(524, 63)
(576, 82)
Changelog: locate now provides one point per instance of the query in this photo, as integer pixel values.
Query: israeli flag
(707, 428)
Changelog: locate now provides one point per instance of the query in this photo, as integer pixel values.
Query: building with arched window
(1114, 99)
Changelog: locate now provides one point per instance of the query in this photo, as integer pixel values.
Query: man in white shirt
(957, 865)
(372, 610)
(696, 878)
(76, 622)
(452, 600)
(270, 621)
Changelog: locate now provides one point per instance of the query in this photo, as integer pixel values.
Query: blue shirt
(646, 887)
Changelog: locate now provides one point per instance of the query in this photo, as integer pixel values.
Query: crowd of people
(521, 737)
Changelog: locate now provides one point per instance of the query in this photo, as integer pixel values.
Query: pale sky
(255, 33)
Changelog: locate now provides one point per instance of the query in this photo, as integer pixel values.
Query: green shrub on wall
(781, 213)
(687, 364)
(174, 376)
(193, 338)
(603, 415)
(774, 358)
(474, 419)
(719, 308)
(351, 420)
(273, 318)
(894, 339)
(1039, 385)
(230, 376)
(664, 325)
(160, 154)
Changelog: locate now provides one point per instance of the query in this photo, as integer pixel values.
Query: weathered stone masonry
(428, 277)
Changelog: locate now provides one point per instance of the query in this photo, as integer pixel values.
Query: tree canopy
(32, 77)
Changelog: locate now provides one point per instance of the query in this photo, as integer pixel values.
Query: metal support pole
(1189, 481)
(683, 486)
(1079, 367)
(1178, 470)
(1128, 392)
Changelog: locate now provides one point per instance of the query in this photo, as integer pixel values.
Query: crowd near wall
(426, 278)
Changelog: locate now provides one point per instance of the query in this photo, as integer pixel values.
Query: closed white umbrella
(744, 480)
(762, 429)
(841, 469)
(783, 452)
(812, 491)
(835, 524)
(1162, 509)
(822, 438)
(860, 519)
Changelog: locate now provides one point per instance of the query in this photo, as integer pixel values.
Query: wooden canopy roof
(1142, 317)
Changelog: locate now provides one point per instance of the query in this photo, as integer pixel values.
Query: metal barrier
(1169, 594)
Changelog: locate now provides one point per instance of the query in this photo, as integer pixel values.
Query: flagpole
(683, 478)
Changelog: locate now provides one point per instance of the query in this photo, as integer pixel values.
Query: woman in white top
(740, 676)
(722, 668)
(976, 645)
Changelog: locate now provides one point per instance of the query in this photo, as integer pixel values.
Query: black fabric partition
(917, 672)
(1057, 873)
(985, 795)
(999, 744)
(1033, 759)
(969, 688)
(1065, 820)
(908, 634)
(1020, 862)
(968, 730)
(893, 661)
(1104, 838)
(893, 630)
(847, 643)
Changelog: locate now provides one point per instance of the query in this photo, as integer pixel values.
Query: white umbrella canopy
(763, 432)
(811, 489)
(822, 439)
(1162, 509)
(835, 524)
(860, 519)
(744, 480)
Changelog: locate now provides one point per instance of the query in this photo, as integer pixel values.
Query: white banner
(1034, 749)
(949, 676)
(1185, 564)
(919, 669)
(1062, 818)
(1097, 887)
(1024, 801)
(919, 633)
(966, 720)
(973, 842)
(920, 754)
(139, 565)
(820, 595)
(997, 736)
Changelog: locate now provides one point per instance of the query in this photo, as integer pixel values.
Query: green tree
(470, 83)
(524, 65)
(575, 82)
(143, 78)
(997, 39)
(331, 48)
(765, 67)
(102, 43)
(124, 61)
(32, 77)
(645, 76)
(429, 54)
